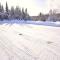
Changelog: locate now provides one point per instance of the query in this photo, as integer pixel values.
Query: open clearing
(29, 42)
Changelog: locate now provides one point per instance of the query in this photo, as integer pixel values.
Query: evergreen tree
(17, 12)
(7, 12)
(27, 17)
(7, 7)
(0, 11)
(20, 14)
(0, 8)
(12, 12)
(23, 14)
(40, 14)
(26, 14)
(26, 11)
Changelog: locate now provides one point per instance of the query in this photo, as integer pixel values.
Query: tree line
(13, 13)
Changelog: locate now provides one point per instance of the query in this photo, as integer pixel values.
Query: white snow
(29, 42)
(45, 23)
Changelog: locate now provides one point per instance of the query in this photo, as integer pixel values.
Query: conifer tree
(0, 8)
(6, 7)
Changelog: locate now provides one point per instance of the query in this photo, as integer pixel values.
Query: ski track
(31, 45)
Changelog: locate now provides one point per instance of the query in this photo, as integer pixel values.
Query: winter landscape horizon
(29, 30)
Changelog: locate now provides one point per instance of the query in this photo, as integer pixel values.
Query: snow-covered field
(29, 42)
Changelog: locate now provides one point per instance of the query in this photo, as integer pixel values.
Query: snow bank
(47, 23)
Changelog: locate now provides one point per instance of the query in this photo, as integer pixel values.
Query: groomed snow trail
(29, 42)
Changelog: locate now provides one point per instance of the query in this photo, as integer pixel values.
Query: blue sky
(34, 6)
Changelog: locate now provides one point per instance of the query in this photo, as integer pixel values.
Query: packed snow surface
(29, 42)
